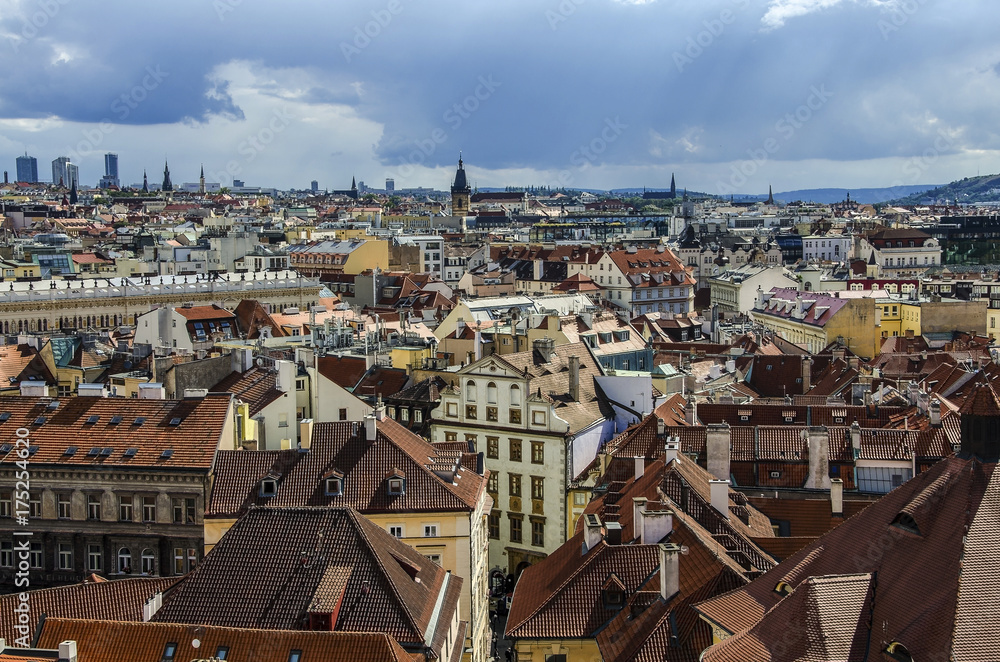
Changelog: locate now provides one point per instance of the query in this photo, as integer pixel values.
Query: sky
(731, 96)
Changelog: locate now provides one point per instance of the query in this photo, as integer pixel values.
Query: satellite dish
(260, 362)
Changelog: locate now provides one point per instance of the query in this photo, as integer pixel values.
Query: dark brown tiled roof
(383, 381)
(257, 387)
(345, 371)
(117, 600)
(343, 447)
(191, 429)
(105, 641)
(275, 564)
(938, 525)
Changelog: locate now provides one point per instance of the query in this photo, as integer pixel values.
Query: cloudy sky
(731, 95)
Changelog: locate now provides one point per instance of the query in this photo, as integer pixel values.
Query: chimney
(195, 393)
(691, 412)
(720, 496)
(640, 467)
(837, 497)
(305, 434)
(671, 450)
(819, 459)
(152, 391)
(538, 269)
(714, 371)
(670, 576)
(477, 350)
(655, 526)
(856, 438)
(923, 401)
(459, 327)
(152, 606)
(67, 651)
(91, 391)
(574, 378)
(546, 347)
(371, 427)
(806, 374)
(592, 532)
(718, 448)
(31, 389)
(934, 411)
(614, 533)
(661, 427)
(638, 508)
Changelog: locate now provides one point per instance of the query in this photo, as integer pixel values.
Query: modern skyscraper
(73, 178)
(60, 172)
(314, 186)
(110, 171)
(27, 169)
(390, 184)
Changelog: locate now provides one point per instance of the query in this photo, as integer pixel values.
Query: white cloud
(779, 11)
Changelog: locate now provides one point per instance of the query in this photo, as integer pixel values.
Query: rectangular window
(125, 508)
(537, 487)
(515, 529)
(94, 506)
(470, 411)
(451, 436)
(492, 414)
(35, 555)
(396, 530)
(515, 416)
(35, 505)
(537, 452)
(95, 559)
(494, 525)
(65, 506)
(179, 561)
(515, 485)
(6, 554)
(149, 509)
(178, 508)
(537, 532)
(6, 505)
(65, 556)
(430, 530)
(418, 416)
(493, 483)
(343, 415)
(189, 511)
(493, 448)
(515, 450)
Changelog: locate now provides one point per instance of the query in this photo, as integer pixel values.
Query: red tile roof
(198, 313)
(257, 387)
(345, 371)
(191, 429)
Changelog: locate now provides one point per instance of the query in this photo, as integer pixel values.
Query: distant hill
(866, 196)
(985, 188)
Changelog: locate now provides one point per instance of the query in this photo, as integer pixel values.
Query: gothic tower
(201, 181)
(460, 192)
(167, 186)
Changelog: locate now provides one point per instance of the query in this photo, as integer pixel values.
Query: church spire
(145, 182)
(201, 180)
(770, 195)
(72, 194)
(167, 186)
(673, 186)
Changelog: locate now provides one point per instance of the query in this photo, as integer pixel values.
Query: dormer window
(906, 522)
(268, 487)
(334, 486)
(396, 483)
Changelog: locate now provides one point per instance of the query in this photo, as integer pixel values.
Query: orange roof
(193, 313)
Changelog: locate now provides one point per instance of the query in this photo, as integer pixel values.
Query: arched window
(148, 562)
(491, 393)
(515, 396)
(470, 391)
(124, 560)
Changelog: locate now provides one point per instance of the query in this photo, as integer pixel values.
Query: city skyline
(732, 95)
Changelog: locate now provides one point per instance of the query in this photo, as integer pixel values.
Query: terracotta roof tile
(346, 371)
(257, 387)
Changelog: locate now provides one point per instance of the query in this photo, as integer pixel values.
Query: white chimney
(837, 497)
(67, 651)
(92, 391)
(195, 392)
(661, 427)
(731, 366)
(152, 606)
(670, 576)
(718, 449)
(31, 389)
(720, 496)
(152, 391)
(640, 467)
(856, 438)
(656, 525)
(592, 532)
(638, 508)
(672, 450)
(715, 371)
(371, 427)
(934, 411)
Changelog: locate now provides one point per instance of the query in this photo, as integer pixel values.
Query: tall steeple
(72, 194)
(460, 191)
(167, 186)
(145, 182)
(770, 195)
(201, 181)
(673, 186)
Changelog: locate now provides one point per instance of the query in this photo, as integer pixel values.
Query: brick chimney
(719, 490)
(574, 378)
(718, 448)
(670, 576)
